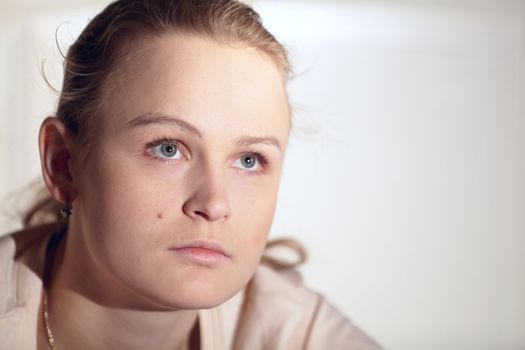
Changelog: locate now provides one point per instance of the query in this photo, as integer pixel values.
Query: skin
(132, 203)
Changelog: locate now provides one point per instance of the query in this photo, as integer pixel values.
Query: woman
(165, 156)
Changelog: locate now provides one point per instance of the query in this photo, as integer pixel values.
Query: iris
(248, 161)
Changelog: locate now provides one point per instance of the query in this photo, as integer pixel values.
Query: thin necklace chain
(47, 326)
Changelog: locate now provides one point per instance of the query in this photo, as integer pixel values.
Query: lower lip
(202, 256)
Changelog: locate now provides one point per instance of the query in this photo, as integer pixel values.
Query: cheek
(121, 203)
(253, 216)
(125, 185)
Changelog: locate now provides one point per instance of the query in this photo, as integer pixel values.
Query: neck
(80, 321)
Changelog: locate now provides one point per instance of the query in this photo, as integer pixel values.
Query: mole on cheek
(159, 215)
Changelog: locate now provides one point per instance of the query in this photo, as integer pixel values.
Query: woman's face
(186, 161)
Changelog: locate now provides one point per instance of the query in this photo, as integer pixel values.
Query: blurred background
(405, 175)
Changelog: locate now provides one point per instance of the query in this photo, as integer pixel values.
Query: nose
(208, 200)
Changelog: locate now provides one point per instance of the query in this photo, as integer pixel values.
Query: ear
(54, 141)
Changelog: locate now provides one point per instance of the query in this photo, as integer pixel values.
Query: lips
(202, 252)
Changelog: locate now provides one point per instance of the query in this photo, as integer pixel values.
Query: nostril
(203, 214)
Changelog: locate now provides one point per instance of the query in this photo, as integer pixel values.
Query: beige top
(274, 311)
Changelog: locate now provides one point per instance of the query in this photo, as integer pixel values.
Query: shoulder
(279, 312)
(284, 288)
(21, 264)
(21, 255)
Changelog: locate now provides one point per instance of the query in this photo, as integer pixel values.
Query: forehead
(213, 86)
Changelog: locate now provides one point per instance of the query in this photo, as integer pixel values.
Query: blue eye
(167, 151)
(249, 161)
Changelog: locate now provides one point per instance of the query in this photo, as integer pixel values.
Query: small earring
(65, 212)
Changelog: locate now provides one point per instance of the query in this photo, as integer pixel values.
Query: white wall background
(405, 175)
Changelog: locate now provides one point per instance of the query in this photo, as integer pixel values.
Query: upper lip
(210, 245)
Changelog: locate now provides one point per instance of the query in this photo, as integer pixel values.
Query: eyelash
(261, 159)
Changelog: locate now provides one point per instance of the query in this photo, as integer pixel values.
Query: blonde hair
(93, 59)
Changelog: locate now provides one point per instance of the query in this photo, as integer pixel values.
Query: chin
(206, 295)
(194, 293)
(191, 286)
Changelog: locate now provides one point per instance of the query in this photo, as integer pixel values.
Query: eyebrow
(162, 119)
(247, 141)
